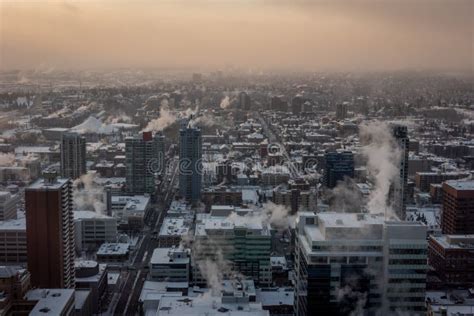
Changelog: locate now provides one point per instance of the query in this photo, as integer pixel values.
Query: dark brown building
(452, 258)
(50, 232)
(458, 207)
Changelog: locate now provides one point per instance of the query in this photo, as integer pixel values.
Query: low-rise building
(170, 265)
(13, 241)
(113, 252)
(93, 229)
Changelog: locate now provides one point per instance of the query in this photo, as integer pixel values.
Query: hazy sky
(311, 35)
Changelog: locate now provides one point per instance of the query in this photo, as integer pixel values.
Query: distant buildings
(73, 155)
(50, 232)
(458, 207)
(244, 101)
(144, 162)
(423, 180)
(341, 111)
(190, 164)
(359, 263)
(338, 166)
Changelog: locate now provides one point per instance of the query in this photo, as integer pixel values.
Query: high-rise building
(458, 207)
(145, 161)
(297, 104)
(190, 164)
(244, 101)
(359, 264)
(73, 155)
(399, 189)
(338, 165)
(50, 232)
(341, 111)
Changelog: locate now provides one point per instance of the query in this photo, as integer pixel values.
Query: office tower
(399, 189)
(297, 104)
(245, 245)
(73, 155)
(190, 164)
(50, 232)
(145, 160)
(244, 101)
(341, 111)
(345, 261)
(338, 165)
(458, 207)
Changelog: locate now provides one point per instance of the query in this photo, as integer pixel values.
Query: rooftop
(461, 185)
(50, 301)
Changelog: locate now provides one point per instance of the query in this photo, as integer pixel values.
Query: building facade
(73, 155)
(190, 164)
(145, 162)
(358, 264)
(458, 207)
(50, 232)
(338, 165)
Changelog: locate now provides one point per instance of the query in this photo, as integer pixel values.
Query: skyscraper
(359, 264)
(73, 155)
(399, 189)
(145, 159)
(338, 166)
(341, 111)
(244, 101)
(297, 104)
(50, 232)
(190, 164)
(458, 207)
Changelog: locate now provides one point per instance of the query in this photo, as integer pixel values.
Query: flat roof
(13, 225)
(166, 256)
(50, 301)
(461, 185)
(113, 249)
(42, 184)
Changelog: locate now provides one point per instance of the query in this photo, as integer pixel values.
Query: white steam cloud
(225, 102)
(166, 119)
(383, 161)
(87, 195)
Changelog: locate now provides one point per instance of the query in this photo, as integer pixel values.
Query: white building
(170, 264)
(93, 229)
(345, 261)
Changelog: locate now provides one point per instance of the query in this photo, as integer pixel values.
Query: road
(128, 303)
(273, 139)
